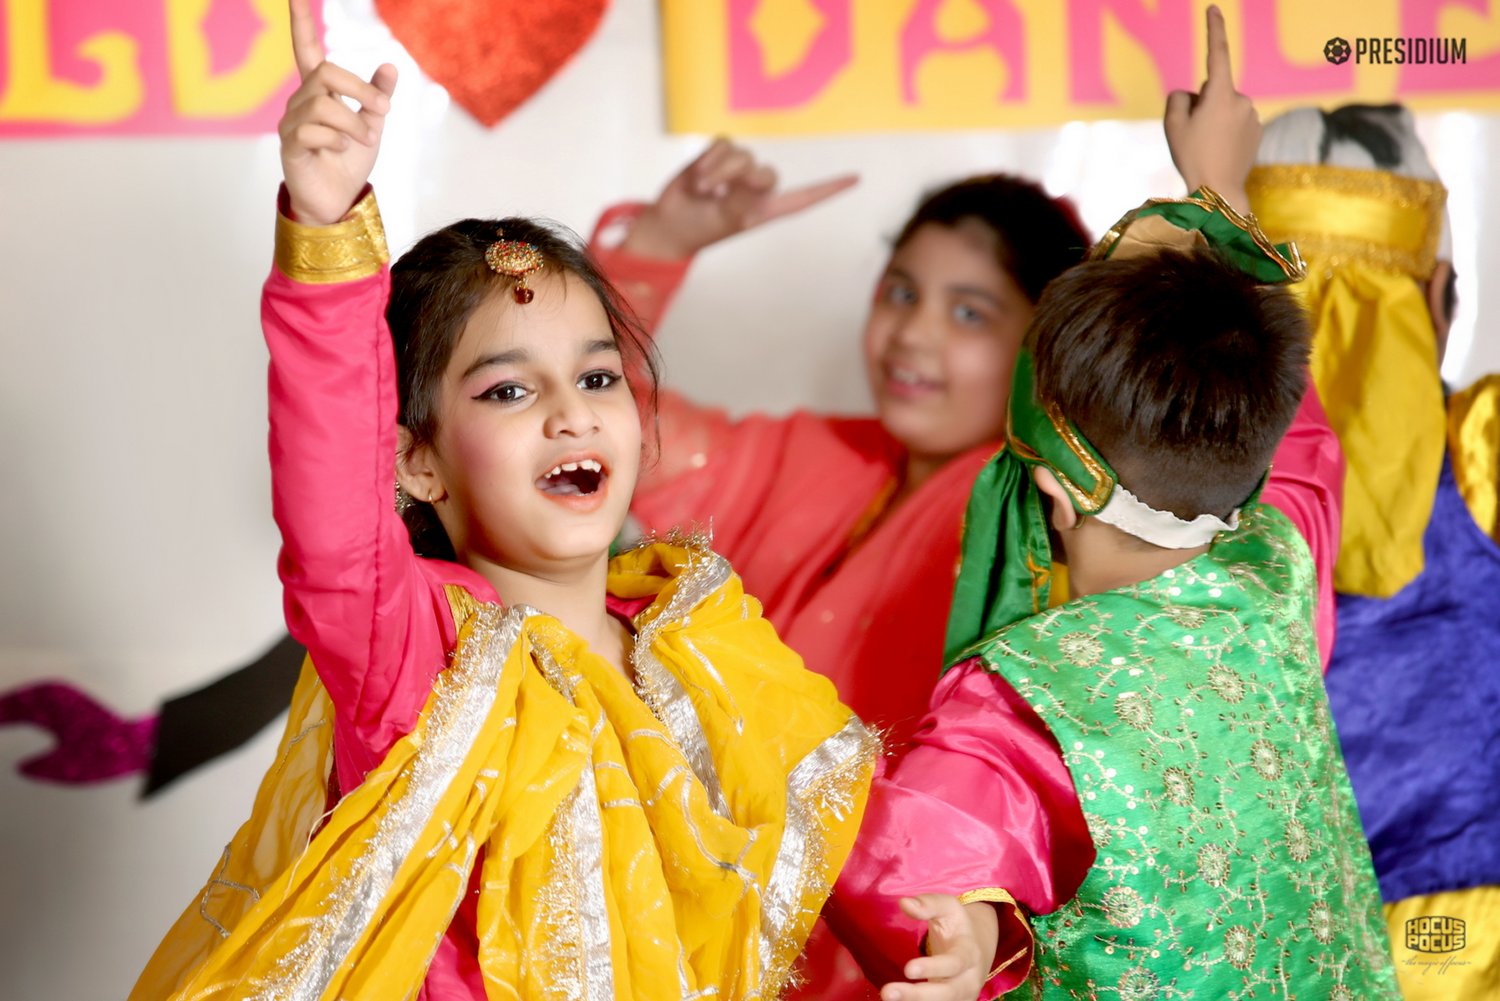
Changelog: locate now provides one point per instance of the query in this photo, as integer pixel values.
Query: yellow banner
(817, 66)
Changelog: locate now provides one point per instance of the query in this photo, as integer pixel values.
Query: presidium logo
(1436, 933)
(1398, 51)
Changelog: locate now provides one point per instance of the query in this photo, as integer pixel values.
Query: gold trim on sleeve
(995, 895)
(350, 249)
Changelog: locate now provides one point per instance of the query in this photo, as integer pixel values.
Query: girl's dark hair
(1037, 237)
(435, 288)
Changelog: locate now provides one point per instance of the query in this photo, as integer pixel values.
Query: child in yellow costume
(1416, 667)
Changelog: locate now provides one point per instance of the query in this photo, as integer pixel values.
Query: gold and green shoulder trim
(1202, 219)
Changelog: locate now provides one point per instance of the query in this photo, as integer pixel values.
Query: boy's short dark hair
(1180, 369)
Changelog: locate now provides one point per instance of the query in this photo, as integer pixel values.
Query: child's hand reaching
(327, 148)
(1214, 134)
(961, 940)
(723, 192)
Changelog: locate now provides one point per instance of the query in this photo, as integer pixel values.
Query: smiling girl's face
(941, 340)
(538, 438)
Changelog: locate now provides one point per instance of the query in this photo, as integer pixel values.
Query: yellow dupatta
(1370, 241)
(653, 840)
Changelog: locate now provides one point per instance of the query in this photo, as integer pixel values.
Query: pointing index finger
(1219, 70)
(788, 202)
(306, 48)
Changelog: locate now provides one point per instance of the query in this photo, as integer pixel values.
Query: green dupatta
(1005, 569)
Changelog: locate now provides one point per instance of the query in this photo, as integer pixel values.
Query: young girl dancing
(619, 783)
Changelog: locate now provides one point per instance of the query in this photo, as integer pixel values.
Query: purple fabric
(93, 743)
(1415, 690)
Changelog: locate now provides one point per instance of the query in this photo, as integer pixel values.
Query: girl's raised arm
(724, 191)
(351, 580)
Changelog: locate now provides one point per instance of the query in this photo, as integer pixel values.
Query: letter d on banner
(763, 35)
(199, 92)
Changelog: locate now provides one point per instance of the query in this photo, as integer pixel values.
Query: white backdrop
(137, 542)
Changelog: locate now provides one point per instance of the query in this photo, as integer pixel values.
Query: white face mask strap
(1133, 516)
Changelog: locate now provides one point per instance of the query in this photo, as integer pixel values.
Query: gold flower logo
(1226, 682)
(1320, 920)
(1123, 907)
(1081, 649)
(1299, 844)
(1099, 829)
(1138, 984)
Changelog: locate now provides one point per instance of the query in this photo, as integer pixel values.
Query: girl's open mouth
(572, 479)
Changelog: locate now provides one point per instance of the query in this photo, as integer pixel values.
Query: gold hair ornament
(514, 259)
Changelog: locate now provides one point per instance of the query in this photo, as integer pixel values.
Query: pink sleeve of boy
(983, 808)
(1307, 485)
(356, 595)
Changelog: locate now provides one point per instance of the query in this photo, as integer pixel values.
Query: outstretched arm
(724, 191)
(646, 248)
(1214, 136)
(981, 809)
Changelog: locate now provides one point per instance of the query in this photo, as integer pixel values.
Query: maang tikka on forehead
(514, 259)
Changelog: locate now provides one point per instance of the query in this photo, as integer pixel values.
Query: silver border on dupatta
(462, 700)
(813, 790)
(662, 690)
(814, 787)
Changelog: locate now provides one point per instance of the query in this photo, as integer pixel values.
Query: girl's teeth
(591, 465)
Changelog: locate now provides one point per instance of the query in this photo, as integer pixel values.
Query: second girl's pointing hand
(725, 191)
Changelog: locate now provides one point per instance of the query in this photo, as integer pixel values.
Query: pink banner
(143, 67)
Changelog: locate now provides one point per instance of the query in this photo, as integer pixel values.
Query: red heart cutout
(491, 55)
